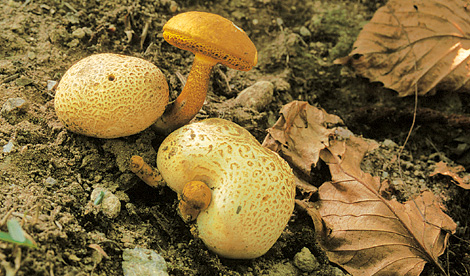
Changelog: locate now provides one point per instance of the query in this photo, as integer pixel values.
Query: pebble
(305, 32)
(283, 269)
(110, 205)
(23, 81)
(306, 261)
(257, 96)
(141, 261)
(79, 33)
(51, 84)
(50, 181)
(389, 144)
(14, 105)
(8, 147)
(72, 18)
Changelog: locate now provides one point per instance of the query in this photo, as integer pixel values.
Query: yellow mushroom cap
(110, 95)
(213, 36)
(252, 187)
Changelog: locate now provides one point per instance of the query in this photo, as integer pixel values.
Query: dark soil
(49, 173)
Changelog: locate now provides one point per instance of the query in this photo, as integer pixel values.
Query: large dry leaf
(422, 42)
(368, 234)
(300, 133)
(358, 228)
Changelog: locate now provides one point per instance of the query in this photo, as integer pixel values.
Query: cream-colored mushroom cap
(110, 95)
(252, 187)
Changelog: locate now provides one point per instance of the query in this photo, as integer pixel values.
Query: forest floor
(47, 174)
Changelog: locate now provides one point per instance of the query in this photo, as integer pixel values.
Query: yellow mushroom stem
(191, 99)
(196, 197)
(147, 173)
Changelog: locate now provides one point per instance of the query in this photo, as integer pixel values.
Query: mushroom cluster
(109, 95)
(252, 188)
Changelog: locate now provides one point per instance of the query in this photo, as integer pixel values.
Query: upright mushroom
(213, 39)
(252, 187)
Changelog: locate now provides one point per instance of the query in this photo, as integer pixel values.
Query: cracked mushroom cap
(110, 95)
(252, 187)
(213, 36)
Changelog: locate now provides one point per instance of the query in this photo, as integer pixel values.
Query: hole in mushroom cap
(111, 77)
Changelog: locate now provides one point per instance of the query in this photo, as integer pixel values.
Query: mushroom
(252, 188)
(213, 39)
(195, 197)
(110, 95)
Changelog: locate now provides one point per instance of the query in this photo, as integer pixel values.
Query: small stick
(143, 36)
(144, 171)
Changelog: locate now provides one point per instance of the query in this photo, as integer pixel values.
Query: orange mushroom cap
(212, 36)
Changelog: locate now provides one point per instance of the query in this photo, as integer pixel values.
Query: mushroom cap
(213, 36)
(252, 187)
(110, 95)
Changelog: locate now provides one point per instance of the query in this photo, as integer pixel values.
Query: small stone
(31, 55)
(74, 43)
(141, 261)
(306, 261)
(14, 105)
(305, 32)
(173, 7)
(8, 147)
(87, 31)
(51, 84)
(389, 144)
(50, 181)
(283, 269)
(24, 81)
(257, 96)
(79, 33)
(72, 18)
(110, 205)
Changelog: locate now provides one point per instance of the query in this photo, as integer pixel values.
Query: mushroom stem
(195, 198)
(145, 172)
(191, 99)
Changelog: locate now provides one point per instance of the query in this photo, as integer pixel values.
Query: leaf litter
(454, 172)
(421, 43)
(360, 225)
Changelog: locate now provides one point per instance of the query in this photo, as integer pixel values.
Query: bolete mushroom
(252, 187)
(110, 95)
(213, 39)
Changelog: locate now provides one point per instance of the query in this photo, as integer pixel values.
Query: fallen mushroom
(213, 39)
(252, 187)
(109, 96)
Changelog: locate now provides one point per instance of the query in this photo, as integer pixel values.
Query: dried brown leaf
(444, 169)
(370, 235)
(300, 133)
(359, 229)
(423, 42)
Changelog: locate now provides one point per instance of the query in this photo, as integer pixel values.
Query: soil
(47, 174)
